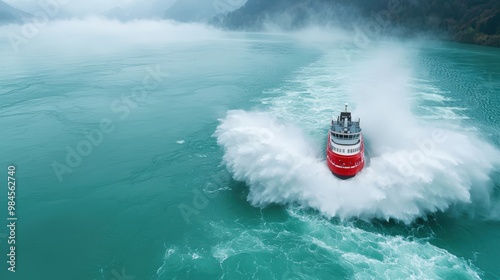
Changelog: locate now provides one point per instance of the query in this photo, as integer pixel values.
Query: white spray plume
(416, 168)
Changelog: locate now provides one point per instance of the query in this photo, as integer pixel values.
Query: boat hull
(345, 166)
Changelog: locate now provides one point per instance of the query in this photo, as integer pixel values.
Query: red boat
(345, 147)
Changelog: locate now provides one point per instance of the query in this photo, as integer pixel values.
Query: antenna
(346, 107)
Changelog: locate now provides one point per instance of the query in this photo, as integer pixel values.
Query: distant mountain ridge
(183, 11)
(9, 14)
(469, 21)
(200, 11)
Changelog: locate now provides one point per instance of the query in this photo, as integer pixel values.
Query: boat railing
(341, 123)
(345, 136)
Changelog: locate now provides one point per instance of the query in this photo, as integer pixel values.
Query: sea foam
(415, 167)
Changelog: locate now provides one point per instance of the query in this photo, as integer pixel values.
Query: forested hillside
(469, 21)
(9, 14)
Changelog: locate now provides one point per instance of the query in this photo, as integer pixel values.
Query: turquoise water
(215, 168)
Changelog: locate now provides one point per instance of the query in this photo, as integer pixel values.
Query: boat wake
(416, 167)
(280, 165)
